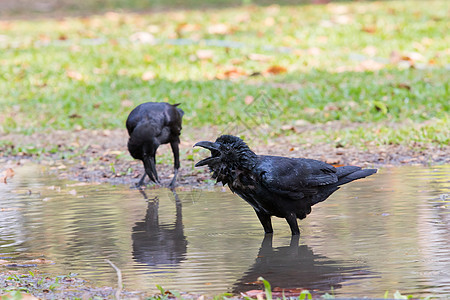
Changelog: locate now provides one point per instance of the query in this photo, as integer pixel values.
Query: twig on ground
(119, 279)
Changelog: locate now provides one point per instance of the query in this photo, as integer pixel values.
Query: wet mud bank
(102, 156)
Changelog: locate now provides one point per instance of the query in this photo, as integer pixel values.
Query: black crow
(274, 185)
(150, 125)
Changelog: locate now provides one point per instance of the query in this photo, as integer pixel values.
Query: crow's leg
(265, 221)
(292, 221)
(176, 161)
(154, 168)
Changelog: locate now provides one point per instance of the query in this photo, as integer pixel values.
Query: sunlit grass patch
(366, 62)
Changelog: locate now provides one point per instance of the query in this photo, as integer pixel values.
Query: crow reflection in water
(274, 185)
(296, 266)
(159, 244)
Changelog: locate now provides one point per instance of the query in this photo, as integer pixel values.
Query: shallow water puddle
(388, 232)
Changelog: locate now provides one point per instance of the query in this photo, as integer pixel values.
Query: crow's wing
(294, 177)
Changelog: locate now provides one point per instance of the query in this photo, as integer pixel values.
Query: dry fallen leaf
(126, 103)
(369, 29)
(187, 27)
(143, 37)
(204, 54)
(219, 28)
(259, 57)
(314, 51)
(148, 75)
(370, 50)
(249, 99)
(232, 73)
(269, 22)
(74, 75)
(276, 70)
(288, 128)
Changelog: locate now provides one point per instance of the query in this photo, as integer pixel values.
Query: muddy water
(385, 233)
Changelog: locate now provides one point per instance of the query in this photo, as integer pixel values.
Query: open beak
(213, 147)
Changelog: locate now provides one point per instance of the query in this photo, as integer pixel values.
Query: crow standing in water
(274, 185)
(150, 125)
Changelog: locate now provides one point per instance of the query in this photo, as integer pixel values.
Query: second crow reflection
(296, 266)
(159, 244)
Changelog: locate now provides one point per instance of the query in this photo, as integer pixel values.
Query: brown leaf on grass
(249, 99)
(204, 54)
(310, 110)
(275, 69)
(242, 18)
(143, 37)
(412, 56)
(269, 22)
(44, 38)
(331, 107)
(259, 57)
(232, 73)
(366, 65)
(409, 58)
(395, 57)
(370, 50)
(288, 128)
(219, 28)
(148, 75)
(314, 51)
(74, 75)
(126, 103)
(148, 58)
(369, 29)
(187, 27)
(8, 173)
(403, 86)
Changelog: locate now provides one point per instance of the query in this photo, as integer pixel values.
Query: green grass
(72, 73)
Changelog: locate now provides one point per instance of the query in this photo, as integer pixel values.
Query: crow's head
(229, 155)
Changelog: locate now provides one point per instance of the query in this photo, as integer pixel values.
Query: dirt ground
(102, 156)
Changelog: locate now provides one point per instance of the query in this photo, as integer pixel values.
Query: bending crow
(150, 125)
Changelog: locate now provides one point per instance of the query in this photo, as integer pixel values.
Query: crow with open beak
(274, 185)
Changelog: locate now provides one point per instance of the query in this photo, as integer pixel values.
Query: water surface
(388, 232)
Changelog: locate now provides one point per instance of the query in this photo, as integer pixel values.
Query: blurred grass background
(380, 68)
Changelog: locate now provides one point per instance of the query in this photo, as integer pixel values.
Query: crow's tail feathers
(345, 174)
(349, 173)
